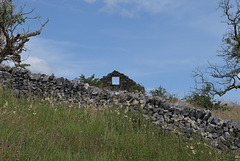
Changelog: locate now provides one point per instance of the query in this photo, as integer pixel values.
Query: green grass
(32, 129)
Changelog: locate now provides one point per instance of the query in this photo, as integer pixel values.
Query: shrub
(159, 92)
(162, 92)
(92, 81)
(203, 98)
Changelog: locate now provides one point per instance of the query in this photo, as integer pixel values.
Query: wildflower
(30, 107)
(194, 152)
(34, 113)
(14, 112)
(6, 104)
(191, 147)
(237, 157)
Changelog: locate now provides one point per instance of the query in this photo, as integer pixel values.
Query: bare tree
(223, 78)
(12, 41)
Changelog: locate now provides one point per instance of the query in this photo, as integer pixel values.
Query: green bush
(204, 98)
(92, 81)
(162, 92)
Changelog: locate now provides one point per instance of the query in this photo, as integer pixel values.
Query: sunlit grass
(47, 130)
(231, 113)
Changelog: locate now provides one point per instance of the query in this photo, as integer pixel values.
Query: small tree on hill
(12, 42)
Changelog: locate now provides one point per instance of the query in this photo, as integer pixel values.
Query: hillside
(37, 129)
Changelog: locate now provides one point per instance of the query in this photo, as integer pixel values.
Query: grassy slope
(231, 113)
(44, 130)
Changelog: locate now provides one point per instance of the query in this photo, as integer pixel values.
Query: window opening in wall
(115, 81)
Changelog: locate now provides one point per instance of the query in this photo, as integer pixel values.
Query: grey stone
(225, 129)
(214, 135)
(6, 75)
(199, 114)
(215, 120)
(207, 115)
(220, 131)
(193, 113)
(185, 111)
(234, 148)
(60, 81)
(45, 78)
(211, 128)
(155, 115)
(226, 135)
(237, 143)
(35, 77)
(86, 85)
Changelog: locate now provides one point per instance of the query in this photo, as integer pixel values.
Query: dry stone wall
(223, 134)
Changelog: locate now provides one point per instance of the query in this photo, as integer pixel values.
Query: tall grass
(34, 129)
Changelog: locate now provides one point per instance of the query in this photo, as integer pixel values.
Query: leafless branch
(12, 46)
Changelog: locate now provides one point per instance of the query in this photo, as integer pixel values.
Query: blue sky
(154, 42)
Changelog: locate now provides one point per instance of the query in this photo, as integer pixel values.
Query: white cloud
(38, 65)
(132, 8)
(58, 57)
